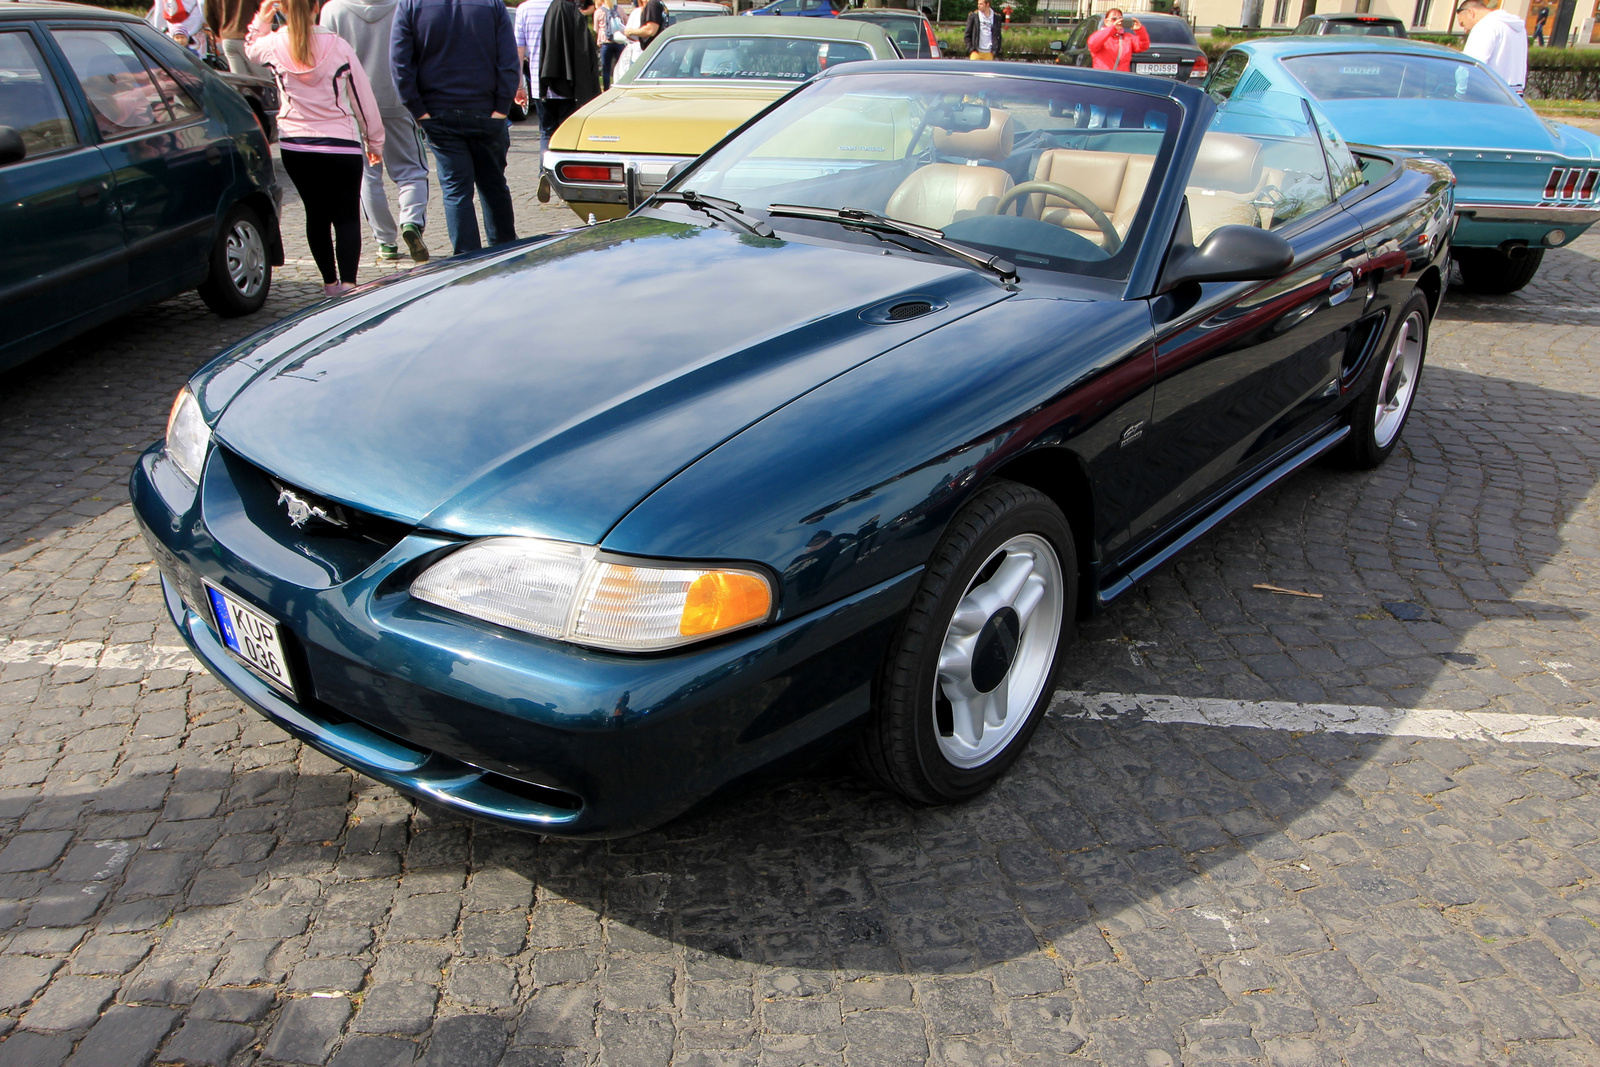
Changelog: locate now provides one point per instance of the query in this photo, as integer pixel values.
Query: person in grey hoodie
(365, 25)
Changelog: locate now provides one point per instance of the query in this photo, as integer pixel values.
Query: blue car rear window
(1385, 76)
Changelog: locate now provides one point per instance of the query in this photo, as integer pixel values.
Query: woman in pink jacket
(327, 121)
(1112, 46)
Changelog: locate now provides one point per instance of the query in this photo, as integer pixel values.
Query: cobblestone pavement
(180, 883)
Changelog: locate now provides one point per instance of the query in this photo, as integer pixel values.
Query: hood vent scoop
(903, 309)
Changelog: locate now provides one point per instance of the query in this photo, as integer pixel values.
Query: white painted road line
(98, 656)
(1332, 718)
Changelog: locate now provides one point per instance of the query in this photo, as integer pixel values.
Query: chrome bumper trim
(1551, 213)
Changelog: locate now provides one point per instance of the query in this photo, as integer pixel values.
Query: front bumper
(495, 724)
(642, 175)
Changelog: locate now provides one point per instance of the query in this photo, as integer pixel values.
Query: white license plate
(252, 637)
(1155, 68)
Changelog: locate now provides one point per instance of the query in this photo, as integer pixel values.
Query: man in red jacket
(1115, 42)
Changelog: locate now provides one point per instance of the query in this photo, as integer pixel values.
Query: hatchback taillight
(1201, 68)
(933, 42)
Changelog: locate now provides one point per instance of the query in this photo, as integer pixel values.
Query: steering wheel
(1113, 240)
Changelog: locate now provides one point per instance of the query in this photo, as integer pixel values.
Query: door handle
(1342, 286)
(213, 154)
(88, 193)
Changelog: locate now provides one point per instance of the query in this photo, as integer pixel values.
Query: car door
(62, 239)
(166, 157)
(1246, 371)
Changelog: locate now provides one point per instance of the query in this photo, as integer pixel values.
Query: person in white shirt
(1498, 40)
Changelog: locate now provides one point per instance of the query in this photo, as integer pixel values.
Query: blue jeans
(471, 149)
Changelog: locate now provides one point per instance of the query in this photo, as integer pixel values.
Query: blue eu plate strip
(219, 608)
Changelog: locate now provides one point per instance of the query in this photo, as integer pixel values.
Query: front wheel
(1380, 412)
(1492, 272)
(241, 273)
(970, 674)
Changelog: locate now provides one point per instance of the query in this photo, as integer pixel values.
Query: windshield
(1361, 29)
(1387, 76)
(1046, 174)
(1168, 31)
(759, 58)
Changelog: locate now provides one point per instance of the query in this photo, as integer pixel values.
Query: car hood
(546, 391)
(670, 121)
(1452, 124)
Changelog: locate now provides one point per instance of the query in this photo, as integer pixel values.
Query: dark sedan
(911, 32)
(129, 172)
(1173, 51)
(919, 366)
(1350, 24)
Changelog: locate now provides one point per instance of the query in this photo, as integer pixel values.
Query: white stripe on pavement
(1333, 718)
(98, 656)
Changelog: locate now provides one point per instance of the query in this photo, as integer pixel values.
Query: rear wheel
(1379, 415)
(971, 671)
(1494, 273)
(241, 273)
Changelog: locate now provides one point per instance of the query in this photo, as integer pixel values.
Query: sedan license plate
(252, 637)
(1155, 68)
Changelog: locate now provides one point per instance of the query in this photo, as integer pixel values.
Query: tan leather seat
(941, 193)
(1114, 181)
(1227, 179)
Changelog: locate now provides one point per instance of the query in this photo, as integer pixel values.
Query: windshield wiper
(717, 208)
(870, 220)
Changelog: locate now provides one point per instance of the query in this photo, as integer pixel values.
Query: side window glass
(1260, 164)
(1226, 77)
(122, 95)
(30, 102)
(177, 99)
(1342, 165)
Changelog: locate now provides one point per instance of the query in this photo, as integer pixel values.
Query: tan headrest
(991, 143)
(1227, 162)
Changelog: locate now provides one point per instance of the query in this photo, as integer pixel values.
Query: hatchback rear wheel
(972, 669)
(241, 273)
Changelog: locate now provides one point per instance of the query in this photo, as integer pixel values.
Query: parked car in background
(129, 172)
(689, 10)
(1349, 24)
(868, 427)
(697, 82)
(911, 32)
(1525, 183)
(1173, 51)
(812, 8)
(261, 93)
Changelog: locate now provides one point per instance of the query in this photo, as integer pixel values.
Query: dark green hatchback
(129, 172)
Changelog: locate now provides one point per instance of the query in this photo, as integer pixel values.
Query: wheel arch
(258, 201)
(1059, 474)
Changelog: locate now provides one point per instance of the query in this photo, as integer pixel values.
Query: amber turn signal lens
(720, 600)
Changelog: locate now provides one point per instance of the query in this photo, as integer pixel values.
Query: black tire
(241, 270)
(1395, 378)
(906, 743)
(1491, 272)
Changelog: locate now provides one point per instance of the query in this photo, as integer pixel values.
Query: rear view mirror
(1231, 254)
(961, 118)
(1058, 46)
(12, 149)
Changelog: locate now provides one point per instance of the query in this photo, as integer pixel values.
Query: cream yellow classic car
(696, 83)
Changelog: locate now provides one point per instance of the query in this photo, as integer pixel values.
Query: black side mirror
(1231, 254)
(216, 62)
(12, 150)
(1058, 46)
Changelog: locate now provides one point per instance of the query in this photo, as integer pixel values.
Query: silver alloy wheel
(246, 255)
(1399, 383)
(998, 650)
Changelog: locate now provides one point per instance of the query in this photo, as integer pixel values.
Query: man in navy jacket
(455, 64)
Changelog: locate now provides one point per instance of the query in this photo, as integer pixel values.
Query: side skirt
(1191, 533)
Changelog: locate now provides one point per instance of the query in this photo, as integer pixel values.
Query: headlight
(578, 593)
(187, 435)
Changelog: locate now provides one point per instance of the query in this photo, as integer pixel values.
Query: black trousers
(329, 184)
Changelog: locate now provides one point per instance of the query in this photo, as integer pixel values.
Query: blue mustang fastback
(914, 369)
(1525, 183)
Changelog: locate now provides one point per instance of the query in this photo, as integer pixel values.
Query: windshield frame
(1192, 111)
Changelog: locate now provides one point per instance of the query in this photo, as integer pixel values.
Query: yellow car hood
(680, 121)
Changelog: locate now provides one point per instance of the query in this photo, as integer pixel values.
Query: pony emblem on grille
(302, 510)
